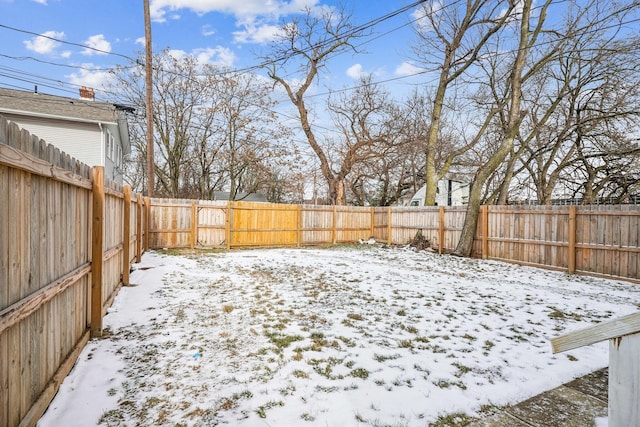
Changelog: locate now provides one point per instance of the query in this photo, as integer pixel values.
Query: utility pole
(149, 101)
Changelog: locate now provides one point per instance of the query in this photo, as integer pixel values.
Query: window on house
(108, 147)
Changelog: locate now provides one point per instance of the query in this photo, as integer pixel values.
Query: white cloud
(207, 30)
(256, 19)
(408, 68)
(43, 44)
(86, 77)
(140, 41)
(355, 71)
(97, 42)
(260, 34)
(214, 56)
(217, 56)
(159, 9)
(44, 2)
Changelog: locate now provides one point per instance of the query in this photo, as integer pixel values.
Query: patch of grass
(299, 373)
(113, 417)
(227, 308)
(462, 369)
(355, 316)
(572, 358)
(405, 344)
(359, 373)
(383, 357)
(326, 389)
(307, 417)
(285, 341)
(488, 345)
(262, 409)
(453, 420)
(401, 313)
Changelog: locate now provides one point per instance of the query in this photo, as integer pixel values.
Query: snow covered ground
(349, 336)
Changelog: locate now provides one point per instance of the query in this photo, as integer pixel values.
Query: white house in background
(95, 133)
(449, 193)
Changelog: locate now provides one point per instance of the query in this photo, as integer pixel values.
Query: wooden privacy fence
(67, 239)
(190, 224)
(598, 240)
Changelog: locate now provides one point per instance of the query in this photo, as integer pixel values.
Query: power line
(84, 46)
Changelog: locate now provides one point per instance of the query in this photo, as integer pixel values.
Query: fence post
(373, 222)
(389, 230)
(334, 228)
(441, 231)
(299, 227)
(147, 226)
(97, 236)
(126, 238)
(227, 231)
(484, 216)
(572, 239)
(139, 227)
(194, 224)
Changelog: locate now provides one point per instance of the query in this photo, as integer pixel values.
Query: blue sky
(228, 32)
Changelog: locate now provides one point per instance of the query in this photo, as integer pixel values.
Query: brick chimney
(87, 93)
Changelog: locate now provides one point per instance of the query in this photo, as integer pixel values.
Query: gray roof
(42, 105)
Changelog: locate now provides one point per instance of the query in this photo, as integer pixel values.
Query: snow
(352, 335)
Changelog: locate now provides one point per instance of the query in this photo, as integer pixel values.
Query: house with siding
(95, 133)
(449, 192)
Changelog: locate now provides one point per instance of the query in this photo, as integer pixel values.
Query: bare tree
(451, 38)
(213, 130)
(309, 42)
(511, 122)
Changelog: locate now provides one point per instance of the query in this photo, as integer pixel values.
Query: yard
(353, 335)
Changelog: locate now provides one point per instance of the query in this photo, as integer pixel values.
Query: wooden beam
(389, 229)
(147, 225)
(97, 251)
(17, 159)
(194, 225)
(619, 327)
(572, 239)
(334, 226)
(228, 219)
(299, 227)
(484, 216)
(139, 212)
(25, 307)
(126, 236)
(441, 230)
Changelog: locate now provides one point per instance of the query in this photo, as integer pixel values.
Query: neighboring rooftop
(51, 106)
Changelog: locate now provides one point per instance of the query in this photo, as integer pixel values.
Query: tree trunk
(465, 244)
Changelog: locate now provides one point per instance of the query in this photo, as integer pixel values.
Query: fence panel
(352, 223)
(212, 217)
(113, 261)
(607, 240)
(263, 224)
(170, 223)
(536, 235)
(44, 268)
(317, 224)
(406, 221)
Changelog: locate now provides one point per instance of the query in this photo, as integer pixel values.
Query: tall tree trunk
(465, 244)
